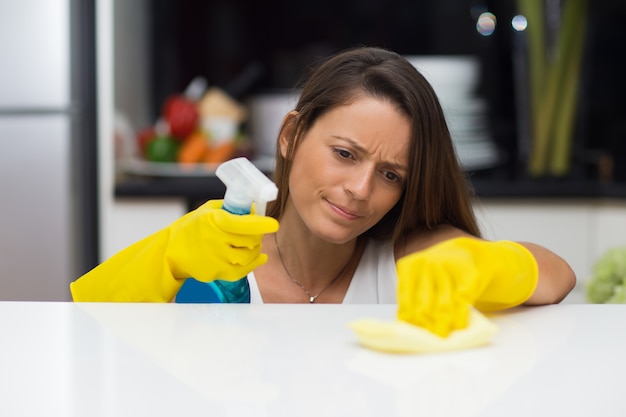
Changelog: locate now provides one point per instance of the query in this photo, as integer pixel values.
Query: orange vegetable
(193, 149)
(221, 152)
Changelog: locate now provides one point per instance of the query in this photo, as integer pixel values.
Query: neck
(300, 258)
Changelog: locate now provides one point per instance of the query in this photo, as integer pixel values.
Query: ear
(287, 132)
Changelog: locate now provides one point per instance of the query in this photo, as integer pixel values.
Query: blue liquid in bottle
(218, 291)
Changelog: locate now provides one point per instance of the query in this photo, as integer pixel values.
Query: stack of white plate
(455, 79)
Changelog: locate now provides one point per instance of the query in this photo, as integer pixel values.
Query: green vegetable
(607, 284)
(162, 149)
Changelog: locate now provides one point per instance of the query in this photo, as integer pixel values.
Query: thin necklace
(312, 298)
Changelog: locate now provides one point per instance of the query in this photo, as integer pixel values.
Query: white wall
(580, 231)
(105, 97)
(131, 61)
(123, 61)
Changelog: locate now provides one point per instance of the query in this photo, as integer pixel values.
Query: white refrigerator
(48, 207)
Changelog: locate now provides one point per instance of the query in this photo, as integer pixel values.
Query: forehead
(375, 124)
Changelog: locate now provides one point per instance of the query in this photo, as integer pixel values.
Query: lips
(343, 212)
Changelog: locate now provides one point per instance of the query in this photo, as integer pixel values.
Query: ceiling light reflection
(486, 24)
(519, 23)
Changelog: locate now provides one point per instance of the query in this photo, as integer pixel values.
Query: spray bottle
(245, 185)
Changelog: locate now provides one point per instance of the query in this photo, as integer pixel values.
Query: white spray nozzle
(245, 184)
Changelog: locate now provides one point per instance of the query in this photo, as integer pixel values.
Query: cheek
(300, 170)
(302, 179)
(309, 166)
(386, 201)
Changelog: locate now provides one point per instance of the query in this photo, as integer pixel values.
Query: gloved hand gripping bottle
(245, 185)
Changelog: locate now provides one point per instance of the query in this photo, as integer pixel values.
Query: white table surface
(66, 359)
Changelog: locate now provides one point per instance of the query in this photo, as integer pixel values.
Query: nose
(360, 183)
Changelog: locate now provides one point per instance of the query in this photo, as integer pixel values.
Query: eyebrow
(361, 149)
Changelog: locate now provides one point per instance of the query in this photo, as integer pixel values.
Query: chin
(337, 235)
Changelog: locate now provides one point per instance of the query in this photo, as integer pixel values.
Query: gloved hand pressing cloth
(442, 289)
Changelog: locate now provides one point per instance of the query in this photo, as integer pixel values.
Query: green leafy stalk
(571, 45)
(553, 84)
(533, 10)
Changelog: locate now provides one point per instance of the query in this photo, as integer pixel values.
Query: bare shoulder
(420, 240)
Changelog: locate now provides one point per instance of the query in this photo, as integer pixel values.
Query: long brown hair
(437, 191)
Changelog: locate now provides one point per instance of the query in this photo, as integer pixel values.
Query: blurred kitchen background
(82, 79)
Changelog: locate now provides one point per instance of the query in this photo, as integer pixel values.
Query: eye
(392, 177)
(342, 153)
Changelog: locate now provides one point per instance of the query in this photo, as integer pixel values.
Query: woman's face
(350, 169)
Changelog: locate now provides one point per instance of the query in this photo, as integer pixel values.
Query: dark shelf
(198, 189)
(549, 188)
(192, 188)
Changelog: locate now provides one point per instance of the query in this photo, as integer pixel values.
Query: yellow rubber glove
(206, 244)
(438, 286)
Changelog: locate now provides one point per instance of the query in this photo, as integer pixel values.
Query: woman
(367, 176)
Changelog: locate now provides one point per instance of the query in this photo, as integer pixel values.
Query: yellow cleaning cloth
(402, 337)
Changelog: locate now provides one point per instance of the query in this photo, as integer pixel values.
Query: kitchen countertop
(76, 359)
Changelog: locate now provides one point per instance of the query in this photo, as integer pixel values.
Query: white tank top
(374, 281)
